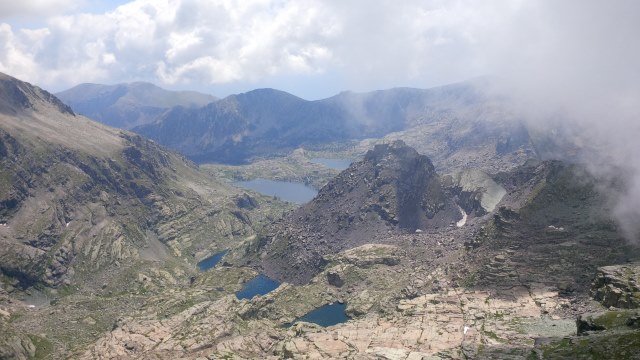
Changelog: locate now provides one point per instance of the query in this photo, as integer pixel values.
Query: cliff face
(618, 286)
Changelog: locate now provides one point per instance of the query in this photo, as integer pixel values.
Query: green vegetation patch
(601, 346)
(43, 346)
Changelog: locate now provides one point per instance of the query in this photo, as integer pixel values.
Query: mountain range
(470, 245)
(264, 122)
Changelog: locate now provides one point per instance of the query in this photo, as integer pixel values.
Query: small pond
(338, 164)
(326, 315)
(288, 191)
(259, 285)
(211, 261)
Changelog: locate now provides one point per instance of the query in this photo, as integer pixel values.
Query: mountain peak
(407, 188)
(393, 190)
(268, 94)
(17, 96)
(396, 149)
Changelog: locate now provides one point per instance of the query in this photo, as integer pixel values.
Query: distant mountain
(454, 124)
(267, 121)
(128, 105)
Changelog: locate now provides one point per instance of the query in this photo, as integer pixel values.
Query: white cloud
(13, 57)
(176, 41)
(371, 44)
(28, 8)
(376, 44)
(538, 45)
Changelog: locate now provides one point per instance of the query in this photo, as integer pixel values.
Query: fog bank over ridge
(578, 73)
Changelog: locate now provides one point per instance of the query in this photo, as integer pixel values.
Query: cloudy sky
(311, 48)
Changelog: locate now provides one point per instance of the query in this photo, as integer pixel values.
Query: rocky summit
(393, 189)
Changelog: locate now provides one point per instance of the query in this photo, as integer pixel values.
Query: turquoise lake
(327, 315)
(259, 285)
(211, 261)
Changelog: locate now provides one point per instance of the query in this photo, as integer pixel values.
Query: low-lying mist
(572, 67)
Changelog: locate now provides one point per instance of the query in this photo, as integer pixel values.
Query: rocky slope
(75, 189)
(510, 283)
(392, 189)
(86, 208)
(128, 105)
(613, 333)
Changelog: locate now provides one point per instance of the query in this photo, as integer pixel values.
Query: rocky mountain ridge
(266, 121)
(17, 96)
(393, 189)
(459, 126)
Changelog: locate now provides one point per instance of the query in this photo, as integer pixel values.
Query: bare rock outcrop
(393, 190)
(618, 286)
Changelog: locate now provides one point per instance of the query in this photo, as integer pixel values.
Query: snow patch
(462, 221)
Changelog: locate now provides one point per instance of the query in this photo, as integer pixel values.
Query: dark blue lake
(259, 285)
(288, 191)
(327, 315)
(338, 164)
(211, 261)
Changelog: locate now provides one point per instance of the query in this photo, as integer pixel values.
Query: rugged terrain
(85, 207)
(508, 283)
(496, 255)
(392, 189)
